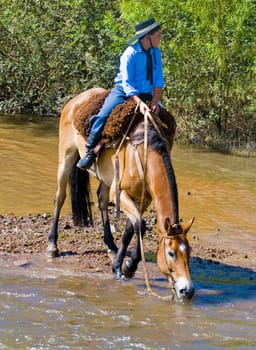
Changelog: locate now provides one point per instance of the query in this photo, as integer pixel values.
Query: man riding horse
(140, 77)
(142, 159)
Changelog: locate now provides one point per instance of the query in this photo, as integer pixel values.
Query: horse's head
(173, 258)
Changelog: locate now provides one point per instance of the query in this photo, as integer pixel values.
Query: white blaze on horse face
(182, 248)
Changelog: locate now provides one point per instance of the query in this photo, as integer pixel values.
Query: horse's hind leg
(65, 166)
(103, 197)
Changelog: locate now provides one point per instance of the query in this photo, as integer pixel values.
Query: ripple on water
(87, 311)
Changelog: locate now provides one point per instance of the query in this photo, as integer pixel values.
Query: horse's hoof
(112, 255)
(118, 275)
(127, 271)
(52, 251)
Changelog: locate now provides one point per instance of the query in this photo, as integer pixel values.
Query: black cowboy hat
(144, 28)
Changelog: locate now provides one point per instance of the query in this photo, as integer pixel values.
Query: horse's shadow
(216, 282)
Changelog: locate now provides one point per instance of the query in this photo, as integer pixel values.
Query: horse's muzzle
(184, 289)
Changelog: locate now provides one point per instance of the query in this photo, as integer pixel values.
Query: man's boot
(86, 162)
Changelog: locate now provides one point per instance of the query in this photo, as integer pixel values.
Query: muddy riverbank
(22, 237)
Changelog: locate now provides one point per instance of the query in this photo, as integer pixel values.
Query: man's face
(156, 38)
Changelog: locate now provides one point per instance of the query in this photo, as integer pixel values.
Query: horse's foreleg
(103, 197)
(64, 171)
(131, 264)
(130, 209)
(126, 239)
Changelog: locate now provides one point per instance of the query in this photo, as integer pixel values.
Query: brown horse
(145, 173)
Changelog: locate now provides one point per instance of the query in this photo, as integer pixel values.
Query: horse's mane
(158, 143)
(162, 145)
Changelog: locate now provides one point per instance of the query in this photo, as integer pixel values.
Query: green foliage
(51, 49)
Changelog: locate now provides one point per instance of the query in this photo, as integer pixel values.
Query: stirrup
(86, 162)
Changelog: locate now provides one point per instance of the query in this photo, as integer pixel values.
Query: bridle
(163, 239)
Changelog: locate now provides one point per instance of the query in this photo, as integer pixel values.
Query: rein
(117, 174)
(147, 116)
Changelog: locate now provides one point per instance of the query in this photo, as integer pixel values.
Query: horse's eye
(171, 253)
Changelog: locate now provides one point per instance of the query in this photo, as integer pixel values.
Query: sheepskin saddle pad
(119, 119)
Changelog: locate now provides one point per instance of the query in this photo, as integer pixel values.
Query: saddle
(120, 118)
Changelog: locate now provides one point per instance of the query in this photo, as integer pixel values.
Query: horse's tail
(80, 194)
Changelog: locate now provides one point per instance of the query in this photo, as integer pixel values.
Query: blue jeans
(98, 121)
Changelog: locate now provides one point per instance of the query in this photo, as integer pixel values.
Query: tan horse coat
(159, 185)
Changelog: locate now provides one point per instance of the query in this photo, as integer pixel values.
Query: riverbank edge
(25, 237)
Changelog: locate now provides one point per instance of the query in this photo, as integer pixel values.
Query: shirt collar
(137, 47)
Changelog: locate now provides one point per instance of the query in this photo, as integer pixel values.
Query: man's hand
(156, 98)
(144, 108)
(154, 107)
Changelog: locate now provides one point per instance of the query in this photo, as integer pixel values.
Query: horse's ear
(186, 227)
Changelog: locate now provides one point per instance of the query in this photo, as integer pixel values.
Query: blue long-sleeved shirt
(132, 74)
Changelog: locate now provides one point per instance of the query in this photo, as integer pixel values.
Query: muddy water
(45, 305)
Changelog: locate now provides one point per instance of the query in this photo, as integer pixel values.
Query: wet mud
(22, 237)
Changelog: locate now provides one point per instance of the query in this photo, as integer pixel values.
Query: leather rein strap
(117, 172)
